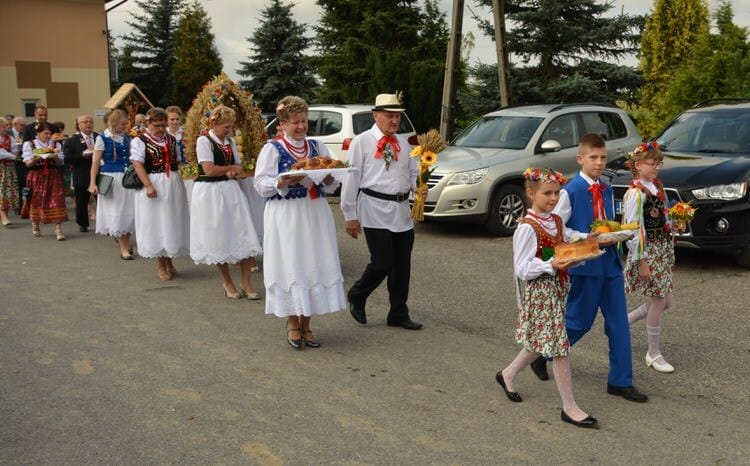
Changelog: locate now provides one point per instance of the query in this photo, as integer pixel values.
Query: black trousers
(390, 256)
(82, 205)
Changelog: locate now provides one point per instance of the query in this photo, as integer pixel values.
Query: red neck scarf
(394, 145)
(596, 192)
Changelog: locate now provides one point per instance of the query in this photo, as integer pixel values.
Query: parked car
(479, 176)
(336, 125)
(707, 162)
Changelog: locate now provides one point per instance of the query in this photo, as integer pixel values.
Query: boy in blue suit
(598, 283)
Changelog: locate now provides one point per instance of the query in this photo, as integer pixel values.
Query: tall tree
(367, 47)
(151, 43)
(196, 56)
(718, 68)
(672, 31)
(568, 51)
(277, 66)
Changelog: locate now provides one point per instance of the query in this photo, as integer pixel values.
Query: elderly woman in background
(161, 212)
(43, 157)
(8, 178)
(115, 211)
(221, 228)
(301, 267)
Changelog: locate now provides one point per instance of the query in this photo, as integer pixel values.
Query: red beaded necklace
(547, 221)
(296, 152)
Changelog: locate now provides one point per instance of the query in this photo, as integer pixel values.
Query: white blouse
(29, 146)
(99, 143)
(267, 168)
(205, 153)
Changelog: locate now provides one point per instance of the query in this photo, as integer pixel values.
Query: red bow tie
(596, 193)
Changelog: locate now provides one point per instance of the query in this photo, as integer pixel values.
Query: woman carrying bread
(161, 213)
(301, 267)
(221, 227)
(115, 211)
(44, 157)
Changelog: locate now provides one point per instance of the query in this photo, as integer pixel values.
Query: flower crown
(545, 175)
(643, 147)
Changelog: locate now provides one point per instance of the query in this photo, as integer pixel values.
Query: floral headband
(644, 147)
(546, 175)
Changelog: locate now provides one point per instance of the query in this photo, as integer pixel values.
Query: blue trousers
(587, 295)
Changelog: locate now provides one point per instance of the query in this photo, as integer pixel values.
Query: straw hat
(388, 103)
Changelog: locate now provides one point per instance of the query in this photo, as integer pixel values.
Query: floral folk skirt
(47, 196)
(8, 185)
(660, 259)
(541, 321)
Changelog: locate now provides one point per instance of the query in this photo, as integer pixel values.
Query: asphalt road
(102, 363)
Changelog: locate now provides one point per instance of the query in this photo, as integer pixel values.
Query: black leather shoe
(83, 229)
(407, 323)
(539, 367)
(589, 423)
(358, 312)
(629, 393)
(512, 396)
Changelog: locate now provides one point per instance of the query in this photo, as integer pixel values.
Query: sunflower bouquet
(681, 214)
(430, 145)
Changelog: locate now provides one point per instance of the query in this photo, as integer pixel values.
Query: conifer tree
(672, 31)
(277, 66)
(367, 47)
(569, 51)
(196, 56)
(152, 45)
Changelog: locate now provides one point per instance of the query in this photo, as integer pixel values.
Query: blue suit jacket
(581, 218)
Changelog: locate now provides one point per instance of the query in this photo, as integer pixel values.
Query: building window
(28, 108)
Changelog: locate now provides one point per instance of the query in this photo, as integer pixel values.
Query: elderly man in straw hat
(374, 198)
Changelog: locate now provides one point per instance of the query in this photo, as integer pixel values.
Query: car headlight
(724, 192)
(469, 177)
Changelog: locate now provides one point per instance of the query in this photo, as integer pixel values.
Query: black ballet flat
(589, 423)
(512, 396)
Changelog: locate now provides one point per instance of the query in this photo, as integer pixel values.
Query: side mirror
(550, 145)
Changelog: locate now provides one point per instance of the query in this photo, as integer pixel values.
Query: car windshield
(498, 132)
(364, 121)
(708, 132)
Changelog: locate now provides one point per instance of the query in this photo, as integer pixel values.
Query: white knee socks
(638, 313)
(564, 382)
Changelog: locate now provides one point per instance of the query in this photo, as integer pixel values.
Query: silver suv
(479, 176)
(336, 125)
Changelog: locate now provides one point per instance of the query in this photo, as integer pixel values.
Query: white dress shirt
(371, 173)
(563, 207)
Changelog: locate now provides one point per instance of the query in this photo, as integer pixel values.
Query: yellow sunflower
(428, 158)
(416, 152)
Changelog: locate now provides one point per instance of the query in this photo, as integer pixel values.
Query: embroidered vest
(116, 154)
(155, 161)
(221, 159)
(286, 160)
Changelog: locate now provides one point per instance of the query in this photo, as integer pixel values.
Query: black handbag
(103, 183)
(130, 179)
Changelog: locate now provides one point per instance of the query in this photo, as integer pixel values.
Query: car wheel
(506, 208)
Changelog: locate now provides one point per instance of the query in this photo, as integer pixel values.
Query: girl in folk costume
(43, 157)
(301, 266)
(8, 177)
(541, 325)
(651, 253)
(115, 211)
(161, 213)
(221, 228)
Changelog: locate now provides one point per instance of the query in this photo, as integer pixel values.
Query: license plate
(618, 207)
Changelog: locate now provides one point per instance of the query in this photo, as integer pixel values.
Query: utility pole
(453, 56)
(502, 52)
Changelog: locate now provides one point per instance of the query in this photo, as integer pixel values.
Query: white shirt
(205, 153)
(525, 263)
(99, 144)
(563, 207)
(138, 149)
(631, 213)
(267, 168)
(371, 173)
(29, 146)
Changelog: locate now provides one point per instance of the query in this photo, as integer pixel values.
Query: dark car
(707, 162)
